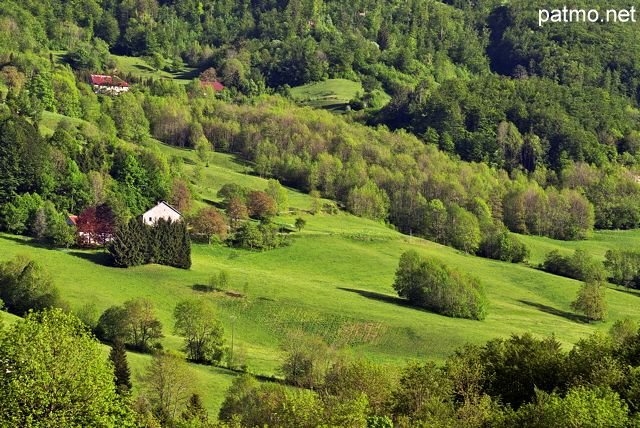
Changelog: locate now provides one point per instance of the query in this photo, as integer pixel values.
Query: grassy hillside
(598, 244)
(334, 279)
(137, 66)
(331, 94)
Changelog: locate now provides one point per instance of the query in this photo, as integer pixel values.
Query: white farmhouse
(162, 210)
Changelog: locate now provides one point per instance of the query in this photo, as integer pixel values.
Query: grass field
(138, 67)
(598, 244)
(50, 121)
(332, 94)
(334, 279)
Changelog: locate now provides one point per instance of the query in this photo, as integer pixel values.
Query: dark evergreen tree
(130, 246)
(118, 356)
(166, 243)
(195, 411)
(182, 255)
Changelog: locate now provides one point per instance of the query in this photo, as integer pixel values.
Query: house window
(150, 218)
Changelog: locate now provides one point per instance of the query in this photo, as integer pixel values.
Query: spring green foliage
(624, 266)
(591, 301)
(500, 244)
(581, 266)
(264, 236)
(300, 223)
(219, 281)
(54, 374)
(519, 381)
(25, 285)
(430, 284)
(197, 321)
(278, 194)
(133, 323)
(168, 382)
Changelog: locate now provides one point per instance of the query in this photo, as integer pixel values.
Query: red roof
(100, 80)
(216, 86)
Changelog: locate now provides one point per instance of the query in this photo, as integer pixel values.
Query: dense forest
(495, 125)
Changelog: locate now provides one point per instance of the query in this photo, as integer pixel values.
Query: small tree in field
(236, 211)
(300, 223)
(198, 323)
(591, 301)
(260, 205)
(209, 222)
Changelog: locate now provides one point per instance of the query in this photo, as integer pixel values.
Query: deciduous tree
(198, 323)
(260, 205)
(209, 222)
(236, 211)
(53, 373)
(590, 300)
(169, 382)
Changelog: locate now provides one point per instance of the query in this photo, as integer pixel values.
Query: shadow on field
(218, 205)
(23, 240)
(623, 289)
(100, 258)
(380, 297)
(558, 312)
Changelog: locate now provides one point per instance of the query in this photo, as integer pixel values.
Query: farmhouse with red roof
(111, 85)
(215, 85)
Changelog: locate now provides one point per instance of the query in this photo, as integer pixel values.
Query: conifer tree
(195, 411)
(118, 356)
(130, 246)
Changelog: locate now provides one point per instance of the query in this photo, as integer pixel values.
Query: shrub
(429, 283)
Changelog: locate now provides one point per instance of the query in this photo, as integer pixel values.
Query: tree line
(522, 380)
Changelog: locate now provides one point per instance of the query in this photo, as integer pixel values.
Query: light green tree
(198, 323)
(278, 193)
(168, 381)
(54, 374)
(300, 223)
(591, 301)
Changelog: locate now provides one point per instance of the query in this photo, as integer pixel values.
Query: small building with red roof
(111, 85)
(215, 85)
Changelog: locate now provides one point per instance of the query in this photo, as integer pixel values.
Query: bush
(580, 266)
(430, 284)
(503, 245)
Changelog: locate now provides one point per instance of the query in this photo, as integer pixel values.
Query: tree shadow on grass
(623, 289)
(201, 287)
(398, 301)
(100, 258)
(30, 242)
(557, 312)
(217, 205)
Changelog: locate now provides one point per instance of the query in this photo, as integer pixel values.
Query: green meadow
(334, 279)
(138, 67)
(331, 94)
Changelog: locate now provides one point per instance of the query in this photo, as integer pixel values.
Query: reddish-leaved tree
(209, 222)
(96, 225)
(236, 211)
(260, 205)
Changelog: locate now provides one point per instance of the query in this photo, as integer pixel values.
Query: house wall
(160, 211)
